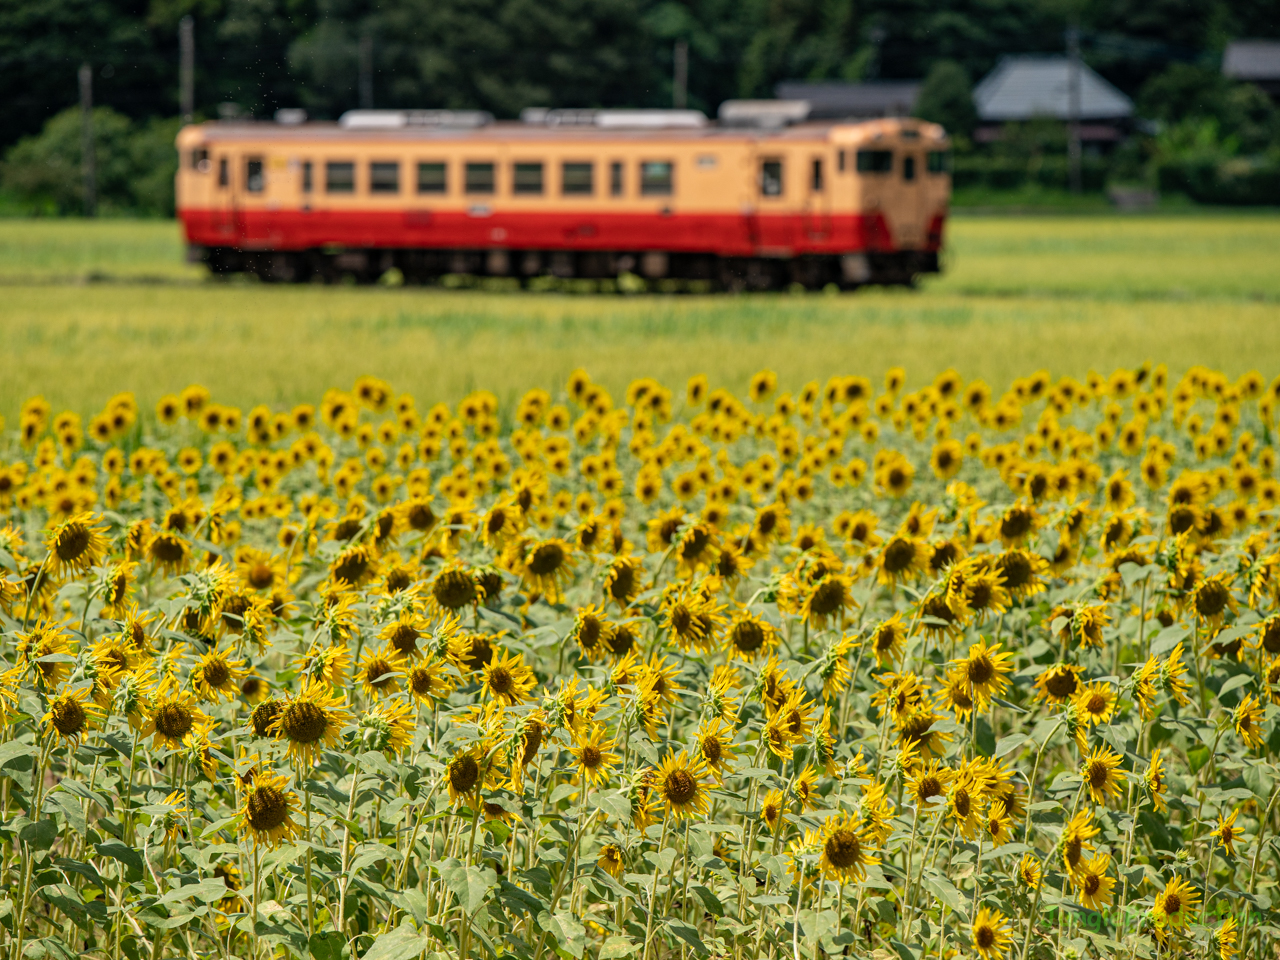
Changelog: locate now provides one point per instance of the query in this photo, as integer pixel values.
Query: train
(757, 200)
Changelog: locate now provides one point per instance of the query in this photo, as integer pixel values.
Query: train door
(817, 204)
(226, 219)
(909, 227)
(772, 223)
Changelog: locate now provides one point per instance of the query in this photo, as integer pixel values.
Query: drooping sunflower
(678, 782)
(463, 774)
(311, 721)
(1155, 782)
(611, 860)
(1247, 718)
(623, 580)
(1173, 673)
(772, 810)
(267, 810)
(71, 714)
(1058, 683)
(1029, 872)
(990, 934)
(42, 648)
(387, 727)
(1077, 840)
(76, 544)
(1224, 938)
(507, 680)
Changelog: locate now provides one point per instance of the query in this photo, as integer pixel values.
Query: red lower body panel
(726, 235)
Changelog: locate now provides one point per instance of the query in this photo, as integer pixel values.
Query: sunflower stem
(341, 923)
(653, 887)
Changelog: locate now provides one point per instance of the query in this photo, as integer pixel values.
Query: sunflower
(984, 669)
(748, 636)
(172, 717)
(659, 674)
(990, 934)
(216, 676)
(902, 558)
(430, 679)
(888, 640)
(168, 551)
(267, 811)
(1155, 782)
(330, 664)
(678, 782)
(1173, 676)
(1093, 886)
(1227, 833)
(955, 696)
(1096, 702)
(590, 627)
(1059, 683)
(380, 671)
(311, 721)
(1029, 872)
(43, 648)
(595, 756)
(772, 810)
(1077, 840)
(1212, 599)
(965, 801)
(403, 633)
(387, 728)
(1099, 771)
(453, 588)
(546, 566)
(1224, 938)
(1175, 903)
(611, 860)
(927, 782)
(623, 580)
(1248, 717)
(845, 850)
(1022, 571)
(507, 680)
(76, 544)
(715, 745)
(463, 774)
(71, 713)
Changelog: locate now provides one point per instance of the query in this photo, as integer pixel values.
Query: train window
(526, 178)
(254, 179)
(908, 168)
(479, 178)
(339, 177)
(875, 161)
(432, 178)
(223, 178)
(816, 180)
(938, 161)
(306, 176)
(771, 178)
(384, 177)
(655, 178)
(577, 178)
(840, 160)
(615, 178)
(200, 159)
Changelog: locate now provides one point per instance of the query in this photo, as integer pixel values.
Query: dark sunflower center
(591, 756)
(267, 809)
(843, 848)
(304, 722)
(453, 589)
(1096, 704)
(1099, 774)
(984, 937)
(1172, 903)
(405, 638)
(623, 583)
(463, 773)
(1211, 599)
(1091, 884)
(72, 541)
(981, 670)
(217, 673)
(1061, 684)
(929, 786)
(748, 636)
(680, 787)
(898, 555)
(264, 715)
(174, 720)
(712, 750)
(376, 672)
(501, 680)
(827, 598)
(961, 803)
(68, 717)
(547, 558)
(261, 576)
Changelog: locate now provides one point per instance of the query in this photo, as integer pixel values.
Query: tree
(946, 97)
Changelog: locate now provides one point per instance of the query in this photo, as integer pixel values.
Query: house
(836, 100)
(1024, 88)
(1254, 61)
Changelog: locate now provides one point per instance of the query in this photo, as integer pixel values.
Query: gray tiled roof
(1252, 60)
(834, 100)
(1025, 87)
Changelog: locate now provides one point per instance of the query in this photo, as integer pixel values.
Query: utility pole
(187, 67)
(366, 72)
(1073, 107)
(86, 140)
(680, 82)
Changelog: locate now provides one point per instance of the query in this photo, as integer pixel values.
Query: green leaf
(130, 857)
(569, 933)
(469, 883)
(39, 835)
(1006, 745)
(16, 755)
(709, 900)
(616, 947)
(402, 943)
(329, 945)
(689, 935)
(1234, 683)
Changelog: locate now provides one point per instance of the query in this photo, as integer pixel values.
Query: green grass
(1068, 294)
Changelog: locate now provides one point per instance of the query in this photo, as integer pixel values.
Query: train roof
(522, 131)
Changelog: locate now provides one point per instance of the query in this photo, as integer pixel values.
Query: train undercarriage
(542, 269)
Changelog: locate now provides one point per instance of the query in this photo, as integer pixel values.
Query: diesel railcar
(657, 195)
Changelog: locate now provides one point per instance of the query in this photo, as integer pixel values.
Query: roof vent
(401, 119)
(291, 116)
(768, 114)
(615, 119)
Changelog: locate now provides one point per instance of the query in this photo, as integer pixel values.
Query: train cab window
(840, 161)
(307, 181)
(615, 178)
(875, 161)
(200, 160)
(339, 177)
(815, 180)
(526, 178)
(771, 178)
(384, 177)
(255, 180)
(938, 161)
(224, 178)
(576, 179)
(479, 178)
(908, 167)
(432, 178)
(656, 178)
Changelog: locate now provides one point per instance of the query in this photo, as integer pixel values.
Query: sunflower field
(846, 671)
